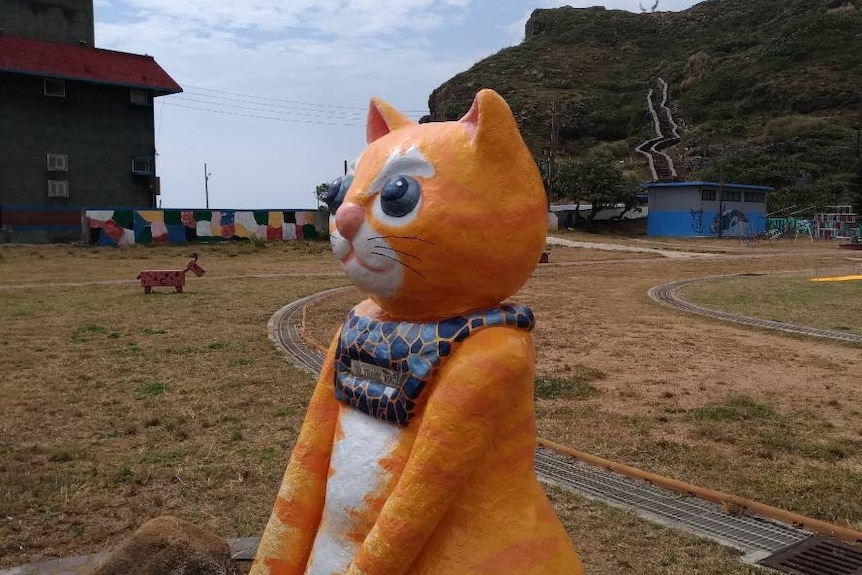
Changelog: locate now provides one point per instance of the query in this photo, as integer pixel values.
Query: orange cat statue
(416, 455)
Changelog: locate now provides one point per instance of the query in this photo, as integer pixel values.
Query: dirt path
(555, 241)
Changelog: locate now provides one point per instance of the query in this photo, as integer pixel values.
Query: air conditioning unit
(54, 88)
(144, 166)
(140, 97)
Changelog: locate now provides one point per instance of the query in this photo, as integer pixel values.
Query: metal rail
(668, 294)
(751, 534)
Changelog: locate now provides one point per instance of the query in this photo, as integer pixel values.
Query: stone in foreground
(170, 546)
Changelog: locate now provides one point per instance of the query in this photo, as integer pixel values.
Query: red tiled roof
(34, 57)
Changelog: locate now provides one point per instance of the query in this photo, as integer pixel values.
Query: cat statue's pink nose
(348, 220)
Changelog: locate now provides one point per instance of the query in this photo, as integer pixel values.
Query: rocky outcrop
(732, 65)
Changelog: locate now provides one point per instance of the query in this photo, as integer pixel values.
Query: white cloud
(335, 19)
(323, 53)
(333, 54)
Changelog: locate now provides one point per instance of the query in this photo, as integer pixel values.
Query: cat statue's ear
(490, 123)
(382, 119)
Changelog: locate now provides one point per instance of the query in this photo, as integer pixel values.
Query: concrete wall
(96, 126)
(680, 211)
(31, 225)
(64, 21)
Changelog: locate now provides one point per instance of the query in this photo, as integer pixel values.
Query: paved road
(555, 241)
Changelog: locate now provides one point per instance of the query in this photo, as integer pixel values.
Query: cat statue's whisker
(409, 267)
(399, 252)
(401, 238)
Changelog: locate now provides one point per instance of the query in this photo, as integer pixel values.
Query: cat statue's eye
(336, 192)
(399, 196)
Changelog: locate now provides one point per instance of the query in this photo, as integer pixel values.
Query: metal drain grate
(817, 556)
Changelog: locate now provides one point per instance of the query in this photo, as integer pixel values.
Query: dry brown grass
(117, 407)
(755, 413)
(75, 263)
(681, 394)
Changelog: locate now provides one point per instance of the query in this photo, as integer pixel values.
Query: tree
(566, 184)
(594, 181)
(815, 195)
(320, 193)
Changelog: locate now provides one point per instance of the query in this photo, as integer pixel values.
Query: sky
(276, 93)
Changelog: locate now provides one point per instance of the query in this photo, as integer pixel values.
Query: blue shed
(705, 209)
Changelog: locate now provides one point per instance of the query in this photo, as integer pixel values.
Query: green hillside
(766, 91)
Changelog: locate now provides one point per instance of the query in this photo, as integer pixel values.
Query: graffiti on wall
(127, 227)
(697, 221)
(730, 223)
(805, 227)
(791, 226)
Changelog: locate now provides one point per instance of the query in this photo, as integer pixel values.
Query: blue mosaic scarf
(382, 367)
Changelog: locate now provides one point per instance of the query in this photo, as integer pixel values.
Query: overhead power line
(275, 118)
(274, 109)
(221, 101)
(296, 102)
(354, 117)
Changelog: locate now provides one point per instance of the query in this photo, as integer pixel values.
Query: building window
(707, 194)
(755, 197)
(144, 166)
(58, 188)
(140, 97)
(58, 163)
(734, 196)
(55, 88)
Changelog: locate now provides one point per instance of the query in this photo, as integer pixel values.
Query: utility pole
(859, 132)
(856, 189)
(552, 153)
(720, 201)
(859, 142)
(207, 185)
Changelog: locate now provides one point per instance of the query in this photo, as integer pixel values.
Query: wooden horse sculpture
(171, 278)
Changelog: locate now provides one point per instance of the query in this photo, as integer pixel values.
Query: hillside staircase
(667, 134)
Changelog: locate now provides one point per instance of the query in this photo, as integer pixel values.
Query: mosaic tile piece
(382, 367)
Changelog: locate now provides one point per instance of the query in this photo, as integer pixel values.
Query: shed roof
(726, 185)
(65, 61)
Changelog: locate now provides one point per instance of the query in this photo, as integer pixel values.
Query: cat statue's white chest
(355, 475)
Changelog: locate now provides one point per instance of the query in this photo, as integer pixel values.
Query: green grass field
(791, 299)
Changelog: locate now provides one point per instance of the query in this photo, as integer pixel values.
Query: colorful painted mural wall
(705, 223)
(127, 227)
